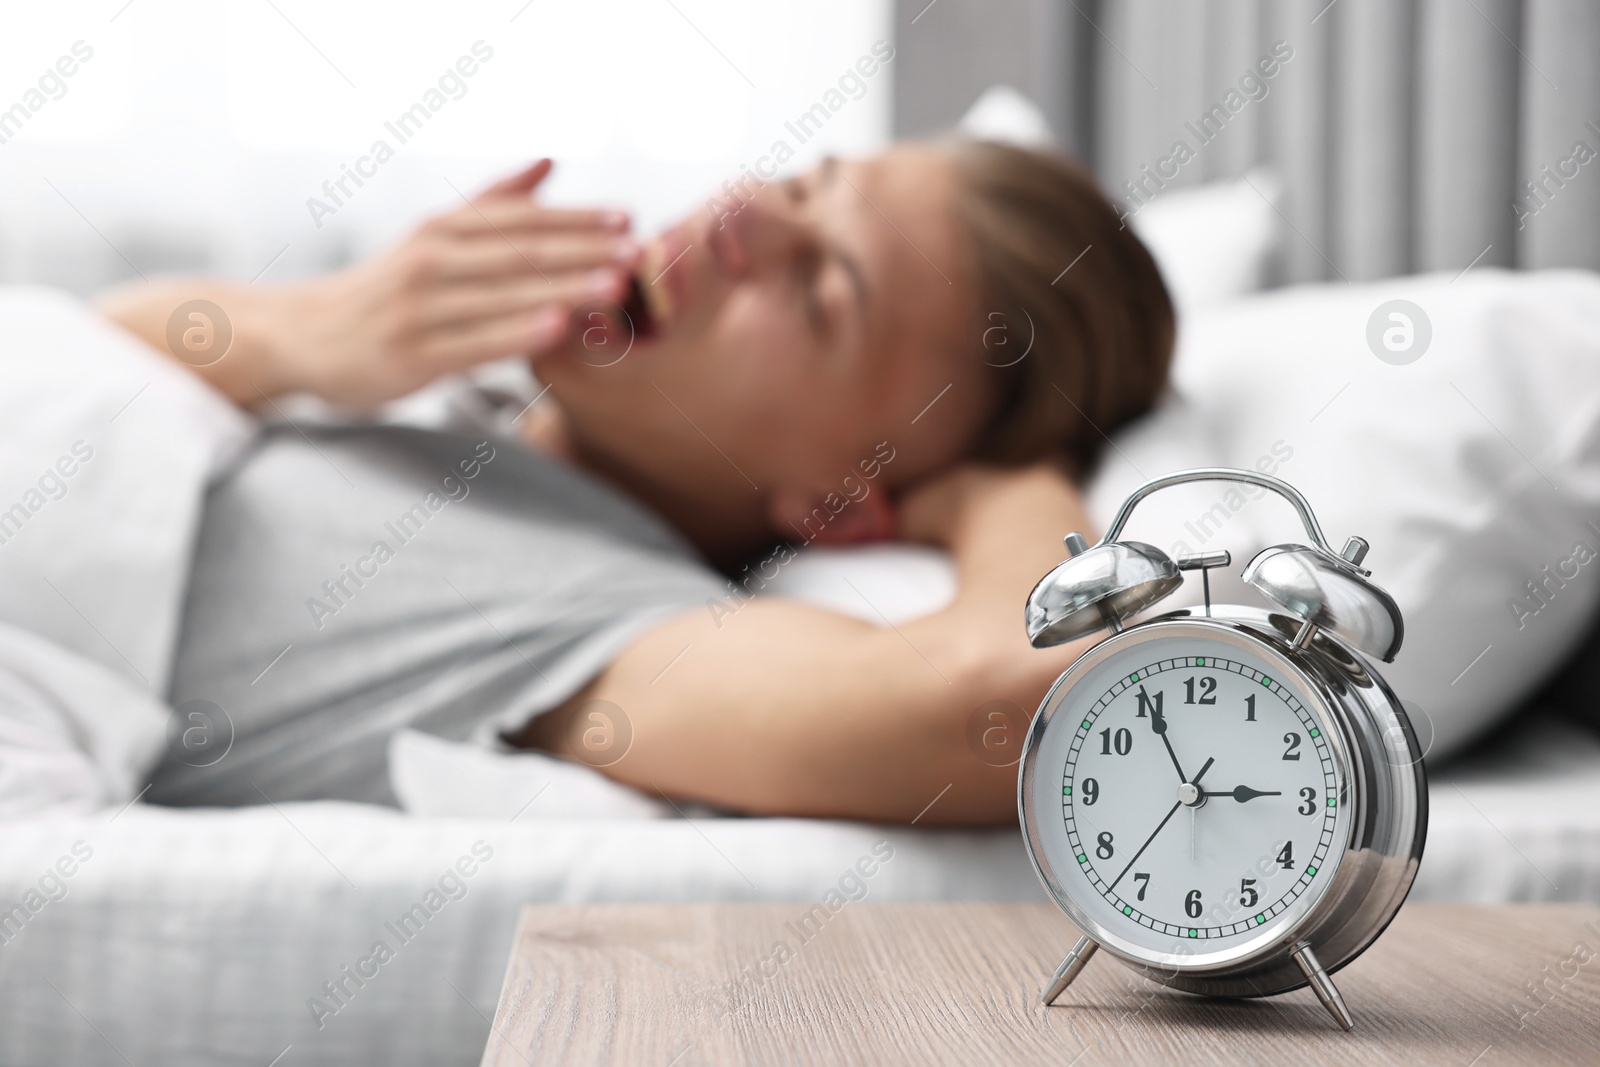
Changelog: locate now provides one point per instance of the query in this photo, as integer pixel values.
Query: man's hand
(984, 515)
(497, 277)
(951, 508)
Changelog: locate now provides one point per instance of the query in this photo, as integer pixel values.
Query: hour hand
(1243, 793)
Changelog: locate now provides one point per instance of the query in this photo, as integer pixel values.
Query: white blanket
(105, 448)
(75, 736)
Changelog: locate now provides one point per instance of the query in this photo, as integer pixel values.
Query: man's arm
(784, 708)
(252, 369)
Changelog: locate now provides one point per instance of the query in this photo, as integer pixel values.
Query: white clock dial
(1200, 797)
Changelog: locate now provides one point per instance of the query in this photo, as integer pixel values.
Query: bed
(199, 937)
(250, 936)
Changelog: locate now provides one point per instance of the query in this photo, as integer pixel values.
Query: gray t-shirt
(352, 582)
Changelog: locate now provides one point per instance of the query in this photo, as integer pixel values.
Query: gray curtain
(1410, 135)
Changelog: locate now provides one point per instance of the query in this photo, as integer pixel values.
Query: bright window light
(202, 125)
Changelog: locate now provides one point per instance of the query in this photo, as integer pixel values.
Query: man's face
(793, 330)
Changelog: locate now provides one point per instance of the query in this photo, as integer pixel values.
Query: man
(817, 362)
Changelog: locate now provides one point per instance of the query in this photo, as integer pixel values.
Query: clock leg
(1324, 986)
(1070, 967)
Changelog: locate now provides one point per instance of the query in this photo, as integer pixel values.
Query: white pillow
(1469, 470)
(1213, 242)
(1005, 114)
(892, 582)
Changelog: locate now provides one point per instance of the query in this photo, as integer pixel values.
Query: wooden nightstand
(960, 983)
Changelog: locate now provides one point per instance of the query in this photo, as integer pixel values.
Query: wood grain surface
(656, 986)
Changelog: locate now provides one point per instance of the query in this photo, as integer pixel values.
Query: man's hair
(1057, 268)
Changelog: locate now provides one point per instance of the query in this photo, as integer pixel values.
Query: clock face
(1187, 792)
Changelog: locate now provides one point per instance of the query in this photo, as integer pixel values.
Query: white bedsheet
(198, 937)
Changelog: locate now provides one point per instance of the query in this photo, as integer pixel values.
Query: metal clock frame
(1383, 783)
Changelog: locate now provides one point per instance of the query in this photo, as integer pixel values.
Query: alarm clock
(1229, 800)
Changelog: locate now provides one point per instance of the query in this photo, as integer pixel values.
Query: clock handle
(1070, 968)
(1323, 985)
(1224, 474)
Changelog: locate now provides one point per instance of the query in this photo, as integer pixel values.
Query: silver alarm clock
(1231, 801)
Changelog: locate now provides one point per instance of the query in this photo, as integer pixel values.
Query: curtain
(1409, 135)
